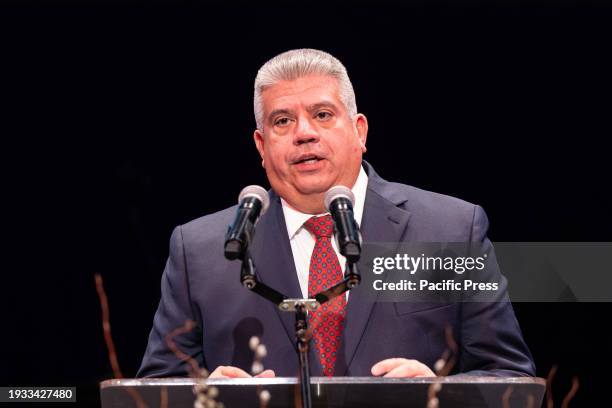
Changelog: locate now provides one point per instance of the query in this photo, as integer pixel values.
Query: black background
(123, 121)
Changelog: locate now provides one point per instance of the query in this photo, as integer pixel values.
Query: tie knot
(320, 226)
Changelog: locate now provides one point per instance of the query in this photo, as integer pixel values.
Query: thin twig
(264, 398)
(452, 345)
(297, 395)
(108, 338)
(106, 327)
(186, 328)
(571, 393)
(506, 396)
(163, 397)
(205, 395)
(432, 395)
(530, 401)
(549, 396)
(447, 362)
(259, 353)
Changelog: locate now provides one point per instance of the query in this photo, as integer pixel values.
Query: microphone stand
(248, 278)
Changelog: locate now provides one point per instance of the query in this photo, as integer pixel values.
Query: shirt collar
(295, 219)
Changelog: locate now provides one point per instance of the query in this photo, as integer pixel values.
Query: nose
(305, 132)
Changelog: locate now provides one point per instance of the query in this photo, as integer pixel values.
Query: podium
(455, 391)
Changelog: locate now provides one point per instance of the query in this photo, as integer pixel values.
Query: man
(310, 138)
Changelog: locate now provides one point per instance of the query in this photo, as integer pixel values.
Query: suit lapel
(382, 221)
(271, 253)
(273, 258)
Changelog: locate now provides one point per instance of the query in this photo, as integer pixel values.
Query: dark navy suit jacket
(198, 283)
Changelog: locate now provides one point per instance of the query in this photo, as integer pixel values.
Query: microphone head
(257, 192)
(337, 192)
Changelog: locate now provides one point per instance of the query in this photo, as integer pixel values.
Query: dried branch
(530, 401)
(264, 398)
(259, 353)
(443, 367)
(571, 393)
(432, 395)
(549, 380)
(452, 345)
(186, 328)
(108, 338)
(297, 395)
(106, 327)
(506, 396)
(163, 397)
(205, 395)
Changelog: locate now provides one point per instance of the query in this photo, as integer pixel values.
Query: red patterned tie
(327, 322)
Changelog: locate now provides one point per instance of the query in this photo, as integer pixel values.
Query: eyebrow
(310, 109)
(320, 105)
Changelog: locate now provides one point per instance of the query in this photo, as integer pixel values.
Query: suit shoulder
(440, 215)
(437, 203)
(208, 227)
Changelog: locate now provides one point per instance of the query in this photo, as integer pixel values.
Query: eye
(282, 121)
(323, 115)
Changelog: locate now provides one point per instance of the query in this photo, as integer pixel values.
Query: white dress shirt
(302, 241)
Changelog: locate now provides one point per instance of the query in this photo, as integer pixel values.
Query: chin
(319, 187)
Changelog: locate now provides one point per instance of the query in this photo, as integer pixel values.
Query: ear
(361, 125)
(258, 137)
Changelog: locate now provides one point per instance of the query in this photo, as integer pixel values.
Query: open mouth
(308, 159)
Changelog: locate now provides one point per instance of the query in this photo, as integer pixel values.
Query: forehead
(302, 91)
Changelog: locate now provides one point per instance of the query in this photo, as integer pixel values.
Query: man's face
(309, 143)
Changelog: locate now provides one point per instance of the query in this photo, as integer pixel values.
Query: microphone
(253, 202)
(339, 202)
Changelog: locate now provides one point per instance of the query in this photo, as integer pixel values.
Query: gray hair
(294, 64)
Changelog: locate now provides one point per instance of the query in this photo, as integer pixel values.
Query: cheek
(348, 146)
(273, 150)
(275, 156)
